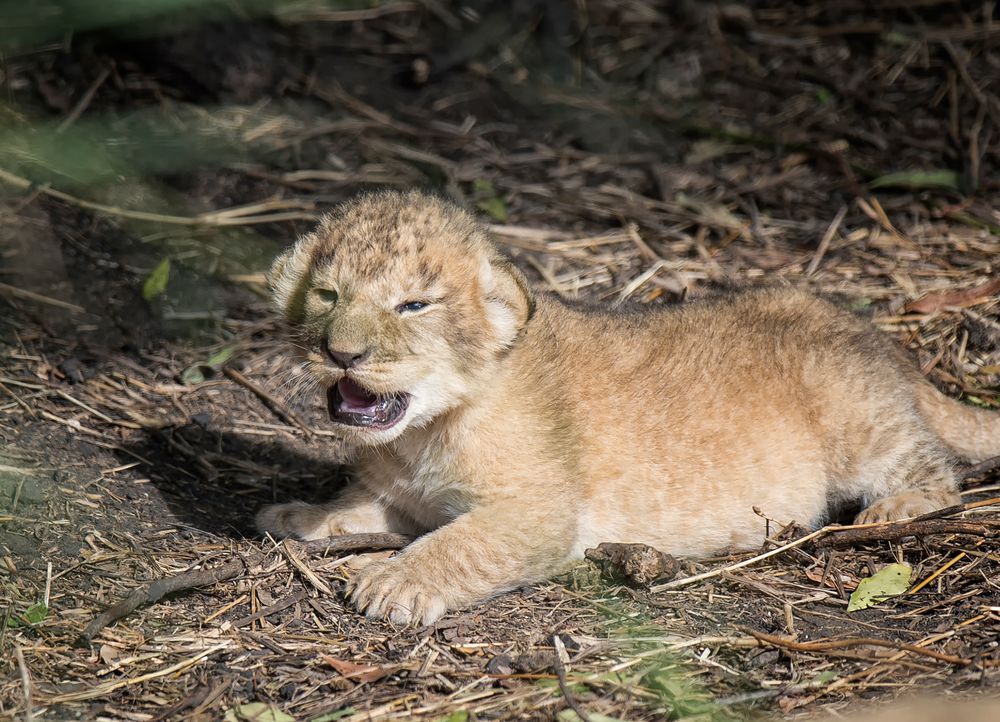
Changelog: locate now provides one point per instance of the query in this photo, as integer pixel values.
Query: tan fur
(536, 429)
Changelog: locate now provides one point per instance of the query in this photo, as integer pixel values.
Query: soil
(622, 152)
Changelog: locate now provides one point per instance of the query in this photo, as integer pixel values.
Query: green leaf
(333, 716)
(459, 715)
(156, 283)
(203, 370)
(36, 613)
(257, 712)
(568, 715)
(574, 687)
(490, 201)
(220, 357)
(918, 180)
(890, 581)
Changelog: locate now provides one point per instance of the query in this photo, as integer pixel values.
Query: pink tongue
(354, 398)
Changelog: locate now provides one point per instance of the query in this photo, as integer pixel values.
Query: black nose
(347, 359)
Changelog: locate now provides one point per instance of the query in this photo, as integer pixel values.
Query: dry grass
(681, 152)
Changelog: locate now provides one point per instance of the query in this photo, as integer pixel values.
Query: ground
(622, 152)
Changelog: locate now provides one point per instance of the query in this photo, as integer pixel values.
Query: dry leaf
(359, 672)
(848, 581)
(933, 302)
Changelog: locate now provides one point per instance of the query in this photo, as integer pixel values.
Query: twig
(956, 509)
(208, 219)
(37, 297)
(824, 242)
(560, 670)
(84, 101)
(857, 642)
(29, 706)
(739, 565)
(155, 591)
(288, 548)
(356, 542)
(282, 411)
(849, 536)
(268, 611)
(937, 572)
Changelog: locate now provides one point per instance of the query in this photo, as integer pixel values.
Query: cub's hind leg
(921, 480)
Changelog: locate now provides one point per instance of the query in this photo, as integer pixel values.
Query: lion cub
(512, 430)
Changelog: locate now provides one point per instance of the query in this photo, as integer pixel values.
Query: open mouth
(351, 404)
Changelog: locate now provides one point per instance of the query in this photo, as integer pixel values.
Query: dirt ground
(628, 152)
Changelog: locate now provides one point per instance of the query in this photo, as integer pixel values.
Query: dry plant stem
(39, 298)
(953, 510)
(158, 589)
(739, 565)
(857, 642)
(217, 218)
(282, 411)
(29, 705)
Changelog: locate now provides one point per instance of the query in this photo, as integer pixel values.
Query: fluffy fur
(536, 429)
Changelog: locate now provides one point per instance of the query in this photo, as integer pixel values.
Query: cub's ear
(286, 279)
(510, 303)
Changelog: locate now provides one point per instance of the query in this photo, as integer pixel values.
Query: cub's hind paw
(905, 506)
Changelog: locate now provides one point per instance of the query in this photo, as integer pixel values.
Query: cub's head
(400, 302)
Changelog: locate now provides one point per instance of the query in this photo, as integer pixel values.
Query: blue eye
(411, 306)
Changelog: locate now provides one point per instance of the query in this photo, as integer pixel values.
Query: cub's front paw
(393, 589)
(311, 521)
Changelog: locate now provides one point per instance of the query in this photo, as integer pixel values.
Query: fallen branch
(850, 536)
(376, 541)
(836, 644)
(155, 591)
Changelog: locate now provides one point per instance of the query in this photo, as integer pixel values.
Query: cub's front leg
(357, 510)
(490, 549)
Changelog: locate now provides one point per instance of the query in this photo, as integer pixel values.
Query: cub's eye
(411, 306)
(326, 295)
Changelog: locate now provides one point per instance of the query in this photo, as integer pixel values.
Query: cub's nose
(347, 359)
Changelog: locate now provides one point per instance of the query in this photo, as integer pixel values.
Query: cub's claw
(391, 590)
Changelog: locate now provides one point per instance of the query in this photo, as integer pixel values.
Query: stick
(560, 670)
(850, 536)
(268, 611)
(154, 591)
(857, 642)
(84, 101)
(16, 292)
(375, 541)
(283, 412)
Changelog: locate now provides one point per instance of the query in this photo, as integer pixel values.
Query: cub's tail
(973, 434)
